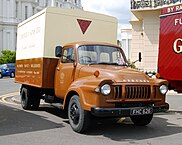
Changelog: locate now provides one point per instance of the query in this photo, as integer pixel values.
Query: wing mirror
(139, 57)
(58, 51)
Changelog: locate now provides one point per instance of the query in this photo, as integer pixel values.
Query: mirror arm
(139, 58)
(136, 61)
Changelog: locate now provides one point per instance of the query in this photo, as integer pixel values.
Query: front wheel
(142, 120)
(79, 119)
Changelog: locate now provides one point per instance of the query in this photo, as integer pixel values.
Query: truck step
(57, 105)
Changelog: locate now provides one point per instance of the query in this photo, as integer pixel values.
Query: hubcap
(12, 75)
(74, 113)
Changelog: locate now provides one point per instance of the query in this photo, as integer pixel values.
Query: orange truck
(170, 47)
(69, 58)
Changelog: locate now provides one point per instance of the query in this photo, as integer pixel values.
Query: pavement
(171, 92)
(173, 98)
(17, 99)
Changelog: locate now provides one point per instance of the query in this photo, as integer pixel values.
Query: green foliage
(7, 56)
(131, 64)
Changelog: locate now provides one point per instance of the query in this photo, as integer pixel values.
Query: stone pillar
(1, 10)
(53, 3)
(151, 22)
(145, 37)
(137, 41)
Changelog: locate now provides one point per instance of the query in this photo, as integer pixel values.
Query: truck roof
(71, 12)
(89, 43)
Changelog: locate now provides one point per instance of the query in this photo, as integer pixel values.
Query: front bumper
(124, 112)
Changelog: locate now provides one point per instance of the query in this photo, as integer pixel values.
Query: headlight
(105, 89)
(163, 89)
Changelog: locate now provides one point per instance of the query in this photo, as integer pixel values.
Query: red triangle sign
(84, 24)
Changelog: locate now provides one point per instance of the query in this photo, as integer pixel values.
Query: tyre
(29, 99)
(26, 99)
(12, 75)
(79, 119)
(142, 120)
(35, 103)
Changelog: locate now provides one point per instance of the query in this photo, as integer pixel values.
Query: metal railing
(141, 4)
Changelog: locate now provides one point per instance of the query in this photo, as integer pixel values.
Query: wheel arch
(68, 97)
(79, 92)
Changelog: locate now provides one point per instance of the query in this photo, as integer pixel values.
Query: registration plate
(141, 111)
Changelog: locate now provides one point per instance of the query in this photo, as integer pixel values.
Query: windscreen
(100, 54)
(3, 66)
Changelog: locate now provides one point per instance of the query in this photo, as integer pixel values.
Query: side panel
(170, 49)
(30, 38)
(38, 72)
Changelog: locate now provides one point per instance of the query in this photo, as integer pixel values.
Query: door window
(68, 55)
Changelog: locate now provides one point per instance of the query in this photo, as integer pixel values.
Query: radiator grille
(133, 92)
(118, 92)
(137, 92)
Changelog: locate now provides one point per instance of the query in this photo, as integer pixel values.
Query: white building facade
(145, 23)
(13, 12)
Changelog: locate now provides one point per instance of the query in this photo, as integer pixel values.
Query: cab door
(65, 72)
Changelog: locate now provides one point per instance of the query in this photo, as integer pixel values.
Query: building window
(8, 41)
(65, 0)
(57, 4)
(7, 15)
(75, 1)
(15, 40)
(26, 12)
(33, 10)
(16, 11)
(46, 3)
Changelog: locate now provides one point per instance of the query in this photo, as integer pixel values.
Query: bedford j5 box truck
(70, 58)
(170, 46)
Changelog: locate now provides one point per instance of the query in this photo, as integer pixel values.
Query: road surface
(50, 126)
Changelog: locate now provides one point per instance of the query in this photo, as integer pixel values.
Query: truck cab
(97, 77)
